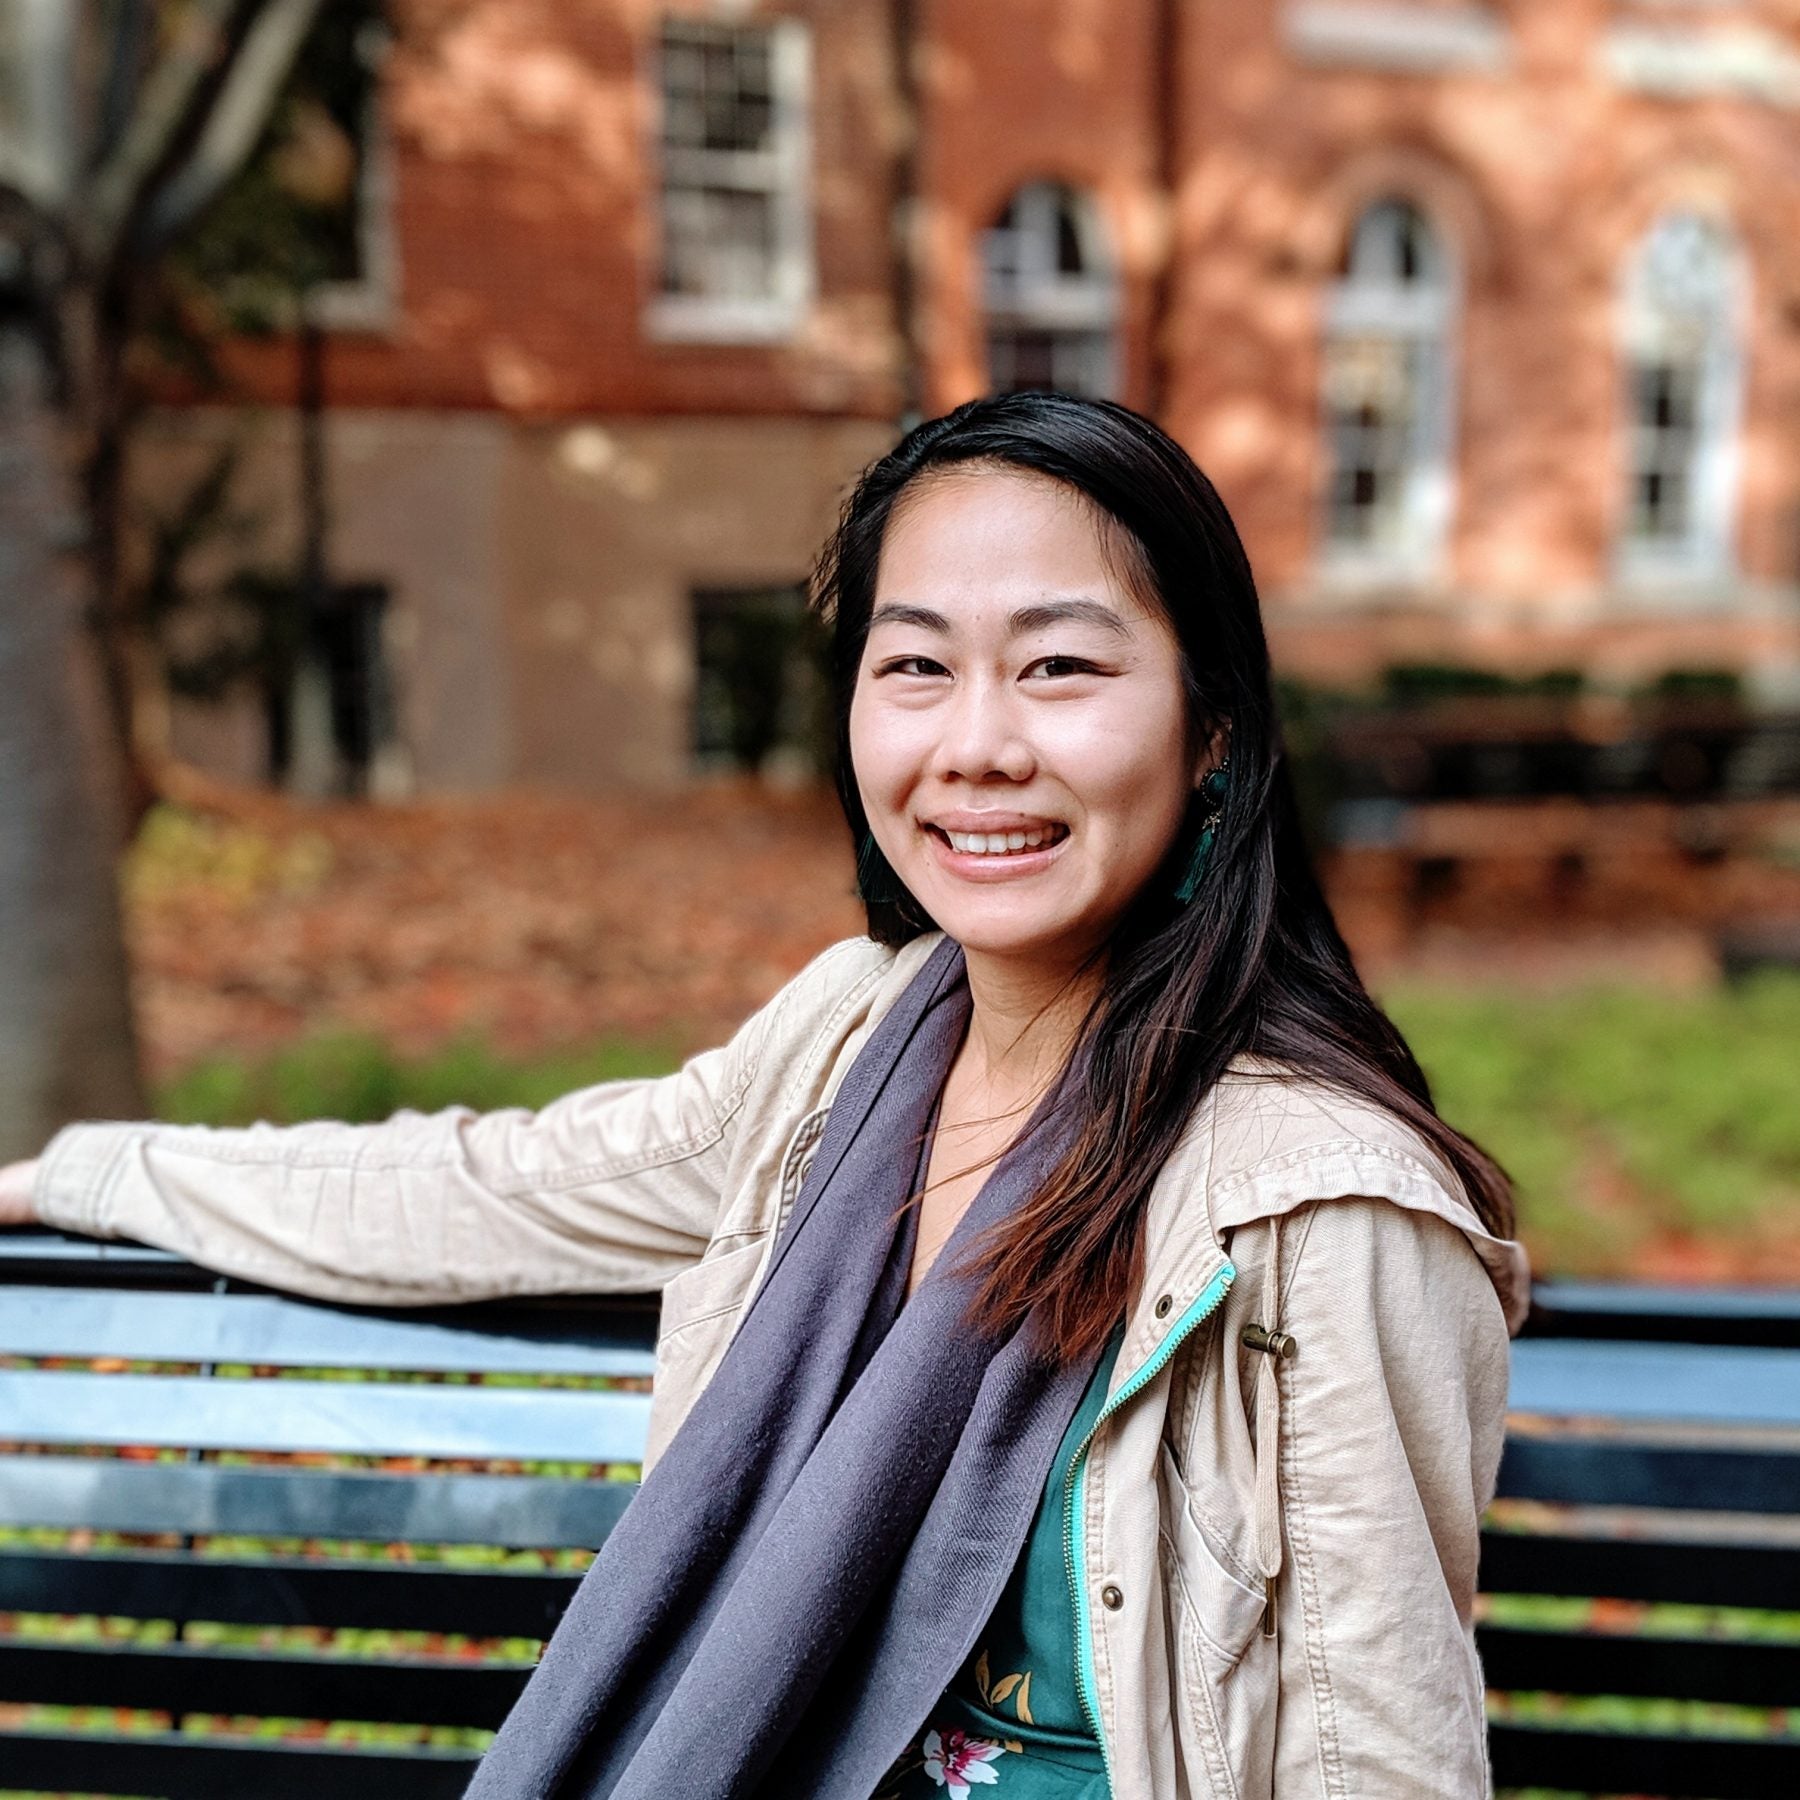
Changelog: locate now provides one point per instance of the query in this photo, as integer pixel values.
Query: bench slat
(67, 1492)
(1603, 1472)
(153, 1584)
(1698, 1574)
(1618, 1762)
(1659, 1668)
(177, 1678)
(1647, 1313)
(50, 1406)
(1716, 1383)
(261, 1328)
(175, 1766)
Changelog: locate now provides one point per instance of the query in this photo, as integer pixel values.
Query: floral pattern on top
(956, 1761)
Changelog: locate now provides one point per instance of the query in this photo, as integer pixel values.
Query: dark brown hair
(1254, 963)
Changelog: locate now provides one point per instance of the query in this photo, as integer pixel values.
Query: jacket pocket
(1222, 1672)
(714, 1285)
(700, 1309)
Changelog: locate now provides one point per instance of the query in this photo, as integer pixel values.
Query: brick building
(1485, 318)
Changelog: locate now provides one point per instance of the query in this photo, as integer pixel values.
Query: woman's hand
(15, 1193)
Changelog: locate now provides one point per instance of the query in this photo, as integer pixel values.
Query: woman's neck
(1023, 1021)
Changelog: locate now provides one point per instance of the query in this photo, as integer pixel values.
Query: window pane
(760, 693)
(1051, 295)
(719, 241)
(1665, 442)
(1372, 414)
(729, 217)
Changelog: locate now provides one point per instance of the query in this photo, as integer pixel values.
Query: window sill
(1346, 578)
(355, 306)
(684, 320)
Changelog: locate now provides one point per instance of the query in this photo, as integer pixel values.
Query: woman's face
(1018, 727)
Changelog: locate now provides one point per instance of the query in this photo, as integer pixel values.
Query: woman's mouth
(1021, 841)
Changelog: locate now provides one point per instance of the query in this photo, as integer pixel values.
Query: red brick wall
(1013, 91)
(1543, 179)
(520, 132)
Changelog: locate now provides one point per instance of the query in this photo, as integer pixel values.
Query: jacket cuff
(77, 1172)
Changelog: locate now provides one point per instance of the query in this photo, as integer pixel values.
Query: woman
(1083, 1349)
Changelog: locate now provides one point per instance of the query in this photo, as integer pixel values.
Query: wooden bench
(1654, 1457)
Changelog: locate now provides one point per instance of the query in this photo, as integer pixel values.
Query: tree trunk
(68, 1048)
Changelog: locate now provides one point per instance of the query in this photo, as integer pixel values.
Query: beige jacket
(1349, 1478)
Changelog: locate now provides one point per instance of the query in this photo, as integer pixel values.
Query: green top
(1013, 1718)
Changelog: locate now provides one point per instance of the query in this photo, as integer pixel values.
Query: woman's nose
(982, 738)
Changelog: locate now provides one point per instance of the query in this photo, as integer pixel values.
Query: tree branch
(117, 186)
(236, 120)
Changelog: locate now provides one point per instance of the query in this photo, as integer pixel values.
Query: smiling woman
(1083, 1354)
(1013, 687)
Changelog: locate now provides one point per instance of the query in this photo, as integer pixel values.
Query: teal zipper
(1074, 1490)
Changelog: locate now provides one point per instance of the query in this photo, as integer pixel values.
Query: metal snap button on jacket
(1111, 1598)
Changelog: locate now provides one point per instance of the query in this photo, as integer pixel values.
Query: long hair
(1253, 964)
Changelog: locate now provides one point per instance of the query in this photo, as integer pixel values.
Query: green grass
(1623, 1111)
(354, 1076)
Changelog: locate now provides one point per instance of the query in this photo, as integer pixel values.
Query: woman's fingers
(15, 1193)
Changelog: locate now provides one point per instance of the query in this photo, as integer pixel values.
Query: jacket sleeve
(612, 1188)
(1392, 1413)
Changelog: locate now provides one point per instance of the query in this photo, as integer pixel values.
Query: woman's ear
(1215, 747)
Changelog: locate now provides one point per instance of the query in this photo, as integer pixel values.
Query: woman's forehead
(985, 538)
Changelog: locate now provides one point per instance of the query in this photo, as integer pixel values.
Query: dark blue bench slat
(1604, 1472)
(1697, 1574)
(481, 1603)
(1662, 1668)
(174, 1766)
(177, 1678)
(110, 1494)
(1617, 1762)
(1645, 1313)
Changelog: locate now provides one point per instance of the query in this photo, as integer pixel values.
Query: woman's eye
(911, 665)
(1057, 666)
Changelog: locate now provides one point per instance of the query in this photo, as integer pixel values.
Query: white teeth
(998, 843)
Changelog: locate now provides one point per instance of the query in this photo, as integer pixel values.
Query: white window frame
(1037, 296)
(1422, 316)
(1650, 330)
(372, 301)
(783, 170)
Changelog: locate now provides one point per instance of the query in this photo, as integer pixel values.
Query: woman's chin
(1012, 931)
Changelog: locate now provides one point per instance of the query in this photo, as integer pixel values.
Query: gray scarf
(811, 1561)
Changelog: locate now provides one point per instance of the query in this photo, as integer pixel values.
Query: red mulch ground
(535, 921)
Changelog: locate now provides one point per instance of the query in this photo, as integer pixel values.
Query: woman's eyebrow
(902, 612)
(1024, 619)
(1067, 612)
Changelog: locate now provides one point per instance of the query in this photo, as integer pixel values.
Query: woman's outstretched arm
(611, 1188)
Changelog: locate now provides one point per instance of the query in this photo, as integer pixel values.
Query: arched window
(1050, 294)
(1683, 381)
(1388, 325)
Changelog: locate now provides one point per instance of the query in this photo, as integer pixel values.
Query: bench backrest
(219, 1479)
(218, 1484)
(1652, 1461)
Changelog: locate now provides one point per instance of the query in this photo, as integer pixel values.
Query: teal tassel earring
(876, 881)
(1212, 793)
